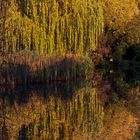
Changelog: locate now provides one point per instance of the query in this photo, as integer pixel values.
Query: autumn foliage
(52, 27)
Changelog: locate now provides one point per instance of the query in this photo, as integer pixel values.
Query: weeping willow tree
(50, 26)
(54, 118)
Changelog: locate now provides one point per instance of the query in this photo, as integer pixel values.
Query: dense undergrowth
(28, 68)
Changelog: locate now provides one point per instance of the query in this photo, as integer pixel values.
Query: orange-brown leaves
(120, 124)
(119, 12)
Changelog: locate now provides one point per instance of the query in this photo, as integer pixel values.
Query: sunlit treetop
(118, 13)
(133, 30)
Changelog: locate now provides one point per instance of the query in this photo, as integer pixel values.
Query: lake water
(104, 108)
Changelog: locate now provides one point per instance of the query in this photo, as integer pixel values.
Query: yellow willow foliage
(53, 118)
(51, 26)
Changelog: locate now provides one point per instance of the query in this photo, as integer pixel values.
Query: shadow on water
(21, 94)
(79, 110)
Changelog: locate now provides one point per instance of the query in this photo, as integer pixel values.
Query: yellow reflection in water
(55, 119)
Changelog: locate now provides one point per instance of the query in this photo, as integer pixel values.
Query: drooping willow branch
(51, 26)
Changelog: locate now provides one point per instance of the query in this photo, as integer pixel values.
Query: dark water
(105, 108)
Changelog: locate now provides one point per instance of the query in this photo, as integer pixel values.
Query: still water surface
(105, 108)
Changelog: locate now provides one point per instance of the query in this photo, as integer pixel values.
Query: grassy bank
(29, 68)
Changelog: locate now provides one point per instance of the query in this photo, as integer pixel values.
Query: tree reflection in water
(80, 110)
(50, 116)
